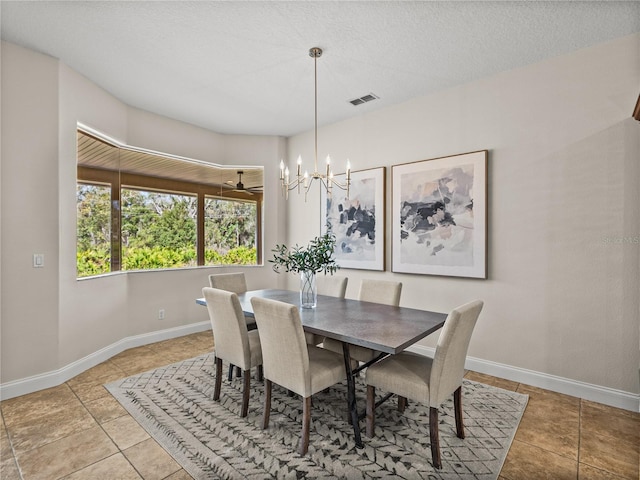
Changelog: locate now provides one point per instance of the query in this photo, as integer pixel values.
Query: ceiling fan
(239, 187)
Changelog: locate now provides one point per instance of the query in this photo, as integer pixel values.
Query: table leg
(351, 395)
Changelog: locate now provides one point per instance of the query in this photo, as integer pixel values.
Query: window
(230, 232)
(139, 210)
(93, 229)
(158, 230)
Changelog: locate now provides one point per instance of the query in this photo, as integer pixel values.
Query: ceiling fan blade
(243, 190)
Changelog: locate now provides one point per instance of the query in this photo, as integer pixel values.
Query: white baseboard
(595, 393)
(57, 377)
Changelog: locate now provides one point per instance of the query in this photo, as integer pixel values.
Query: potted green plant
(307, 261)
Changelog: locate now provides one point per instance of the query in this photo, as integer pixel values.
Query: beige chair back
(332, 285)
(231, 282)
(451, 351)
(285, 357)
(229, 327)
(375, 291)
(380, 291)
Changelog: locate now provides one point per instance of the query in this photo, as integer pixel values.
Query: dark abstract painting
(439, 216)
(358, 221)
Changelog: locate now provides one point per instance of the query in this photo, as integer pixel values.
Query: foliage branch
(315, 257)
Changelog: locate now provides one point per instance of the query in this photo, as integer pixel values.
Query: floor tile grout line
(579, 436)
(514, 438)
(604, 435)
(98, 424)
(84, 406)
(577, 463)
(579, 439)
(120, 451)
(13, 450)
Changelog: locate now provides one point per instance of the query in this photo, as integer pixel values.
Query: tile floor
(78, 431)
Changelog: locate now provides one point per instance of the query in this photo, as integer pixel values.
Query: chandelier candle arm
(304, 182)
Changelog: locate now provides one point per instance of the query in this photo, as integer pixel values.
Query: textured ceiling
(243, 67)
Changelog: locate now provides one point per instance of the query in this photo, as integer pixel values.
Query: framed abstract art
(439, 215)
(357, 221)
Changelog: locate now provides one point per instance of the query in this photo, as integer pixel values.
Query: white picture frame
(358, 221)
(439, 215)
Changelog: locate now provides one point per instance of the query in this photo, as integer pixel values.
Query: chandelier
(304, 181)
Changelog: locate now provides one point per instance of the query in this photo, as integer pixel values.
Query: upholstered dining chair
(376, 291)
(331, 286)
(428, 380)
(290, 362)
(233, 342)
(232, 282)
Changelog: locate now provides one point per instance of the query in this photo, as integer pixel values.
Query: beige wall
(49, 319)
(564, 168)
(29, 212)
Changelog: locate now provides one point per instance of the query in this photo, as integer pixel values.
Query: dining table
(384, 328)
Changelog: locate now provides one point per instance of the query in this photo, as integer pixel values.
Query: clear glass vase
(308, 290)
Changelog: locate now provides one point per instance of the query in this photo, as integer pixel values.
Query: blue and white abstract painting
(357, 221)
(439, 216)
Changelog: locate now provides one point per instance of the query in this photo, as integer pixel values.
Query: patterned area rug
(210, 440)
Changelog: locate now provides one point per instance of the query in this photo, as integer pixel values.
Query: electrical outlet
(161, 314)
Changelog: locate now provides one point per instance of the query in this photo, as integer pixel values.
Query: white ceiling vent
(364, 99)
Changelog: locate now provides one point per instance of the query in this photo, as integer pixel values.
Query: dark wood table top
(380, 327)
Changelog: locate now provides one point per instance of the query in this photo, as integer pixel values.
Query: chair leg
(260, 373)
(306, 426)
(435, 441)
(402, 404)
(457, 403)
(230, 372)
(371, 411)
(216, 390)
(267, 404)
(238, 372)
(245, 393)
